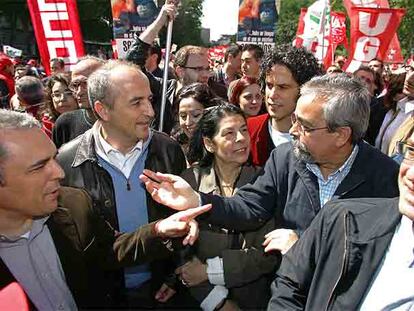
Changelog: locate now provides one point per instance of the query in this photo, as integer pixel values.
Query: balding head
(80, 73)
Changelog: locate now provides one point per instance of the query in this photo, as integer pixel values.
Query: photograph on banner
(257, 22)
(130, 17)
(11, 51)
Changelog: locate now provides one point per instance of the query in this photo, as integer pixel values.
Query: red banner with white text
(372, 30)
(57, 30)
(394, 54)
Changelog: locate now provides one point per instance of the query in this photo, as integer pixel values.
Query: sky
(220, 16)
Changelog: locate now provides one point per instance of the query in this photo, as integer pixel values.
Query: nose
(148, 110)
(189, 120)
(240, 136)
(57, 171)
(273, 94)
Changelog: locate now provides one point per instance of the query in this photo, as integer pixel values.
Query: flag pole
(165, 73)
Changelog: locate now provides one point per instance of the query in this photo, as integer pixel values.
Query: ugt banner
(129, 17)
(257, 23)
(371, 33)
(57, 30)
(393, 54)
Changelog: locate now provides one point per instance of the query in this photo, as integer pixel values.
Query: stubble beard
(301, 152)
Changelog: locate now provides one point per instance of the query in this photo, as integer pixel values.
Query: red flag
(57, 30)
(349, 4)
(371, 33)
(394, 54)
(301, 26)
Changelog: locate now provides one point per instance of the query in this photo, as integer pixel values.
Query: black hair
(256, 49)
(301, 63)
(208, 127)
(232, 50)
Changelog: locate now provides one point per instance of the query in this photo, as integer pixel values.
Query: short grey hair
(10, 120)
(100, 86)
(347, 102)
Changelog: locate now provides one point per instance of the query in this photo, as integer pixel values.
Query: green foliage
(187, 26)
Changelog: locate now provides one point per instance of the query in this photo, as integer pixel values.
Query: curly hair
(49, 108)
(301, 63)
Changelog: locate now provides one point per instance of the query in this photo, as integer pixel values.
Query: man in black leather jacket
(107, 159)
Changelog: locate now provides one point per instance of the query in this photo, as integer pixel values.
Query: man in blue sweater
(108, 159)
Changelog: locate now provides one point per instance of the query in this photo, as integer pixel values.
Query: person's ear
(208, 144)
(179, 71)
(344, 134)
(101, 110)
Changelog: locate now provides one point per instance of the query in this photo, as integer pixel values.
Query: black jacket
(82, 170)
(332, 265)
(288, 191)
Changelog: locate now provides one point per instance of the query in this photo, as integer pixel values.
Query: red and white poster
(57, 30)
(325, 43)
(372, 30)
(394, 54)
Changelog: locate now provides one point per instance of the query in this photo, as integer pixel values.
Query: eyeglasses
(74, 86)
(199, 68)
(304, 129)
(66, 93)
(406, 150)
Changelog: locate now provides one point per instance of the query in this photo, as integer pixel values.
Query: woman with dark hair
(59, 99)
(247, 95)
(190, 103)
(225, 261)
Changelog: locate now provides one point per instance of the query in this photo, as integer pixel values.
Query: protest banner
(257, 23)
(394, 54)
(131, 17)
(57, 31)
(11, 51)
(372, 30)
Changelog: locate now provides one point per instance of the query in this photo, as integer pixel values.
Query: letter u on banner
(57, 30)
(372, 30)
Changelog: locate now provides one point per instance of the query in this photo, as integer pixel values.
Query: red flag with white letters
(372, 30)
(57, 30)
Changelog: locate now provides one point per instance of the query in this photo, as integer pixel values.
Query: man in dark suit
(60, 255)
(328, 159)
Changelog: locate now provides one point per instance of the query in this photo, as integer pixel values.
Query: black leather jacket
(82, 169)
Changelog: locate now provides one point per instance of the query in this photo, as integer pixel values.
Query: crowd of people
(301, 180)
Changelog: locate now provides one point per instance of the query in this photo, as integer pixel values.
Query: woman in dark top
(189, 106)
(225, 263)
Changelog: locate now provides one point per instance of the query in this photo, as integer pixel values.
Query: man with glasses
(74, 123)
(358, 254)
(327, 160)
(191, 65)
(284, 70)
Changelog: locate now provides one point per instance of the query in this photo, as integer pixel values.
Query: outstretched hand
(170, 190)
(181, 224)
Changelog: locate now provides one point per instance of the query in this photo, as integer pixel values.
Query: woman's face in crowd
(189, 113)
(231, 144)
(63, 99)
(250, 100)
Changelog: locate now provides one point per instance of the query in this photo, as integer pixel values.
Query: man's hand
(164, 293)
(170, 190)
(168, 11)
(180, 224)
(280, 239)
(192, 272)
